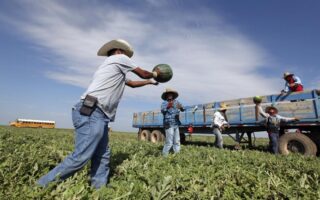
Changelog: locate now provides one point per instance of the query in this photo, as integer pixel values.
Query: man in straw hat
(219, 124)
(170, 109)
(293, 83)
(96, 108)
(272, 123)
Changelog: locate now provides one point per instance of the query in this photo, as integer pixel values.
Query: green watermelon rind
(166, 73)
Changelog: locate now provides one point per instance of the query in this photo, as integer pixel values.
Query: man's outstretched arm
(144, 73)
(135, 84)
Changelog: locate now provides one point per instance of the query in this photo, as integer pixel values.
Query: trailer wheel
(296, 143)
(144, 135)
(156, 136)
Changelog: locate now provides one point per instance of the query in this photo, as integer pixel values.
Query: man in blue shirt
(272, 123)
(170, 109)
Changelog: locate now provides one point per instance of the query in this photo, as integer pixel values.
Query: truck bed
(241, 113)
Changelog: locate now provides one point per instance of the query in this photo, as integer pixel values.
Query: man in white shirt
(97, 107)
(219, 124)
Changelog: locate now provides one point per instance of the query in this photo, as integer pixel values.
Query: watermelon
(164, 73)
(257, 99)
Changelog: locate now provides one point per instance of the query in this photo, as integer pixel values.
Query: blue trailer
(302, 136)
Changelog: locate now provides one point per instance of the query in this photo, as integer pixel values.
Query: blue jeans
(172, 139)
(91, 143)
(274, 142)
(219, 140)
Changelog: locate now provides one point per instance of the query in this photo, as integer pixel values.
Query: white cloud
(211, 59)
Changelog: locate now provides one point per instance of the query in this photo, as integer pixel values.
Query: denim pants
(91, 143)
(274, 142)
(219, 140)
(172, 139)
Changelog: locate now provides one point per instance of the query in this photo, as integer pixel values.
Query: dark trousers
(274, 142)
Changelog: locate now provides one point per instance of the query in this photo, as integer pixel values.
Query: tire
(297, 143)
(156, 136)
(144, 135)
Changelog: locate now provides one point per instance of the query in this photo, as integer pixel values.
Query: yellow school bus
(31, 123)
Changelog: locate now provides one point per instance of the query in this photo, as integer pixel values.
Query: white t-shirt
(218, 119)
(109, 81)
(279, 117)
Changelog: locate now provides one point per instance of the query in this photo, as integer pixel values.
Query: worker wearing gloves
(170, 109)
(94, 110)
(272, 123)
(219, 124)
(293, 83)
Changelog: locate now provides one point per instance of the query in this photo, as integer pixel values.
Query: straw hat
(223, 106)
(270, 108)
(168, 91)
(116, 44)
(286, 74)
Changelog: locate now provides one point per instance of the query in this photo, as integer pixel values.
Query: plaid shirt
(169, 115)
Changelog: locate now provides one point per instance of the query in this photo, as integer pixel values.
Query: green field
(138, 171)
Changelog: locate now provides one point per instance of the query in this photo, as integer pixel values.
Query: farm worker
(96, 108)
(170, 109)
(190, 129)
(219, 124)
(293, 83)
(272, 123)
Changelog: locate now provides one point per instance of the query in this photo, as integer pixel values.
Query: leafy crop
(139, 171)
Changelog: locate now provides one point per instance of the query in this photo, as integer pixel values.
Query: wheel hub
(296, 147)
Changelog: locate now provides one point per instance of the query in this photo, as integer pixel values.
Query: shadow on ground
(261, 148)
(116, 160)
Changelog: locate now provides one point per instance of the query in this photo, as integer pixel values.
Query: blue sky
(218, 50)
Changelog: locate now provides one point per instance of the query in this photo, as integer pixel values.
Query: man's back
(109, 82)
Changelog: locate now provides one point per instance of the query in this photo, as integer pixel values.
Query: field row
(139, 171)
